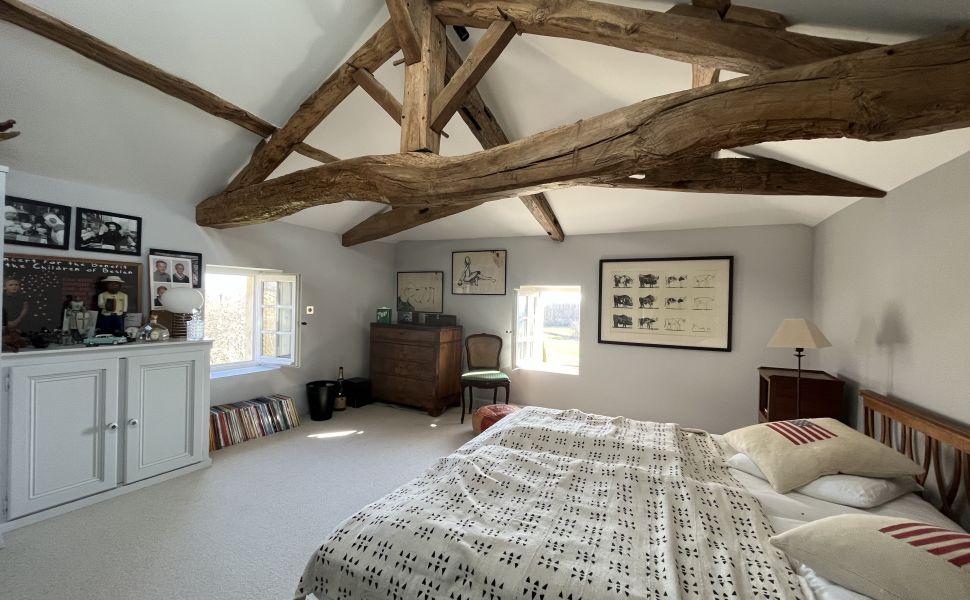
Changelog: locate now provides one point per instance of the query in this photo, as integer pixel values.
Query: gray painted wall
(344, 284)
(892, 287)
(713, 390)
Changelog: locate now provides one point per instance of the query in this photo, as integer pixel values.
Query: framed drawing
(32, 223)
(100, 231)
(667, 302)
(480, 272)
(37, 290)
(420, 291)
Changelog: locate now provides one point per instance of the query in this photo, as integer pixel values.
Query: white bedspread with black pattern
(551, 504)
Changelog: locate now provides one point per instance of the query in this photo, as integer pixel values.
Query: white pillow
(795, 453)
(883, 557)
(848, 490)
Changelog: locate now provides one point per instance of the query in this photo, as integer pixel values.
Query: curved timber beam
(715, 44)
(894, 92)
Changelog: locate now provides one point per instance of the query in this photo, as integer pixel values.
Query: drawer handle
(133, 422)
(112, 426)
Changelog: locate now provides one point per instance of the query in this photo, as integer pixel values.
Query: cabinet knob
(112, 426)
(133, 422)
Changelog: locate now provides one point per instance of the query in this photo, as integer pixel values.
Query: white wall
(713, 390)
(345, 285)
(892, 286)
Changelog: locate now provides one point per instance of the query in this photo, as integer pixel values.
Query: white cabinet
(63, 434)
(87, 422)
(162, 429)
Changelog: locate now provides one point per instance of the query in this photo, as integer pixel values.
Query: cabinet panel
(63, 434)
(163, 428)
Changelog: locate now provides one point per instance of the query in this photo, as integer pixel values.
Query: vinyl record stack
(242, 421)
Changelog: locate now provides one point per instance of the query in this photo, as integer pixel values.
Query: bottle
(340, 402)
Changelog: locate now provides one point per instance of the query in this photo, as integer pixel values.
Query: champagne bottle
(340, 402)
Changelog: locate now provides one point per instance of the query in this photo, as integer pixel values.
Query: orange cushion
(491, 414)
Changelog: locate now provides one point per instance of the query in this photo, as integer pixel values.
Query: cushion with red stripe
(794, 453)
(884, 557)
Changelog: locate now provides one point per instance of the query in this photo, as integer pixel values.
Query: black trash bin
(320, 397)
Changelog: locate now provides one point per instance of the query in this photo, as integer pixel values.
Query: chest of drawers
(416, 366)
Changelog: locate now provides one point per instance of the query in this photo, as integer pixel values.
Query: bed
(568, 505)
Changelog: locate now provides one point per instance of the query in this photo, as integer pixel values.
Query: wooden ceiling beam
(701, 75)
(423, 82)
(719, 6)
(269, 155)
(407, 35)
(315, 153)
(893, 92)
(755, 176)
(479, 60)
(740, 48)
(65, 34)
(759, 17)
(8, 135)
(489, 133)
(384, 98)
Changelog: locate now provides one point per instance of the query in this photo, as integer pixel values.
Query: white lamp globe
(182, 300)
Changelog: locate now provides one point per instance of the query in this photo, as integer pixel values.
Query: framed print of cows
(667, 302)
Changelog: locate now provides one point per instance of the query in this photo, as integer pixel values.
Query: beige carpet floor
(243, 528)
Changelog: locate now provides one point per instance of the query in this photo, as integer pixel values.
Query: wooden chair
(482, 351)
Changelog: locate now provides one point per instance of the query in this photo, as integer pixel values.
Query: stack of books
(241, 421)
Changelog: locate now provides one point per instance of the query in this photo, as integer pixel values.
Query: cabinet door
(163, 427)
(63, 433)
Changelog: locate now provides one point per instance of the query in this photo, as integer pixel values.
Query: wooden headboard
(907, 428)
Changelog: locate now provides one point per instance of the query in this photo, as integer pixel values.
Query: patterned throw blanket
(552, 504)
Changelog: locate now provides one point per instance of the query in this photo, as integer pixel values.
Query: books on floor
(250, 419)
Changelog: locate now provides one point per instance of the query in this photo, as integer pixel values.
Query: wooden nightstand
(821, 395)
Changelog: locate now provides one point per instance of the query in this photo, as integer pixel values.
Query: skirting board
(118, 491)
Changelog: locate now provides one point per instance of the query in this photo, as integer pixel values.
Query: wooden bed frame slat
(937, 431)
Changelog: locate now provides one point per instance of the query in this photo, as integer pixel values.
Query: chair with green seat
(482, 351)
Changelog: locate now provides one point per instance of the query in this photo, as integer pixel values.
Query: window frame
(537, 334)
(260, 362)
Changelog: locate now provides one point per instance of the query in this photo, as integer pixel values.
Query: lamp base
(178, 325)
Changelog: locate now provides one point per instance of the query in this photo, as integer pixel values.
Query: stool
(491, 414)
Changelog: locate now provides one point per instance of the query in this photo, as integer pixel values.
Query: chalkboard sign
(47, 283)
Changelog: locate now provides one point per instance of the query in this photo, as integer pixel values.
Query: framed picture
(667, 302)
(420, 291)
(32, 223)
(181, 269)
(479, 272)
(100, 231)
(39, 289)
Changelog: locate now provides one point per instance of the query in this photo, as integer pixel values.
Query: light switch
(309, 310)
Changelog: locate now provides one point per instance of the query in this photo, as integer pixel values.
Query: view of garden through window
(547, 328)
(229, 317)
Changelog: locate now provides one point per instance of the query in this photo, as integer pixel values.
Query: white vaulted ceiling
(84, 123)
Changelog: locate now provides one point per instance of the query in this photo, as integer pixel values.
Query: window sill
(544, 368)
(219, 374)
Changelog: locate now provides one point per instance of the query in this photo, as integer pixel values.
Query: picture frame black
(194, 257)
(420, 291)
(108, 232)
(683, 302)
(479, 272)
(41, 224)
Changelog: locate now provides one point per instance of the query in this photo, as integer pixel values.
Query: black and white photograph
(100, 231)
(34, 223)
(479, 272)
(666, 302)
(176, 267)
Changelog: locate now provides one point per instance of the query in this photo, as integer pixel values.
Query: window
(251, 316)
(547, 328)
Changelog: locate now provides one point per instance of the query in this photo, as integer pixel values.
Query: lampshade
(182, 300)
(798, 333)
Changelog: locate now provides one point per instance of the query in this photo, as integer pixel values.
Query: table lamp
(181, 302)
(798, 334)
